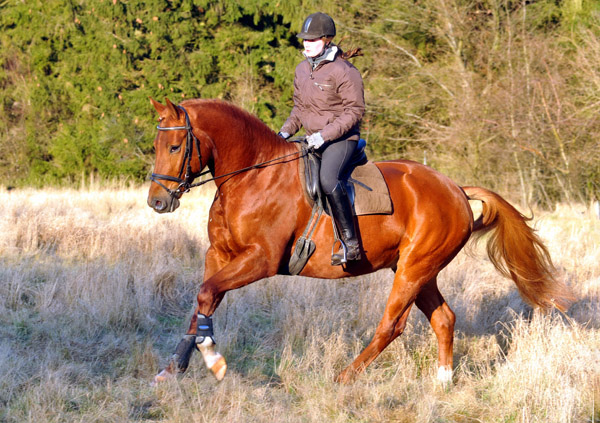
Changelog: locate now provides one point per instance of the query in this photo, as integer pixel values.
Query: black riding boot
(341, 209)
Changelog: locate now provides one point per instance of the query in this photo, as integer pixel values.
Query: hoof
(219, 369)
(346, 377)
(214, 361)
(166, 374)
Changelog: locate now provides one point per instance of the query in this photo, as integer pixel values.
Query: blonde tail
(517, 252)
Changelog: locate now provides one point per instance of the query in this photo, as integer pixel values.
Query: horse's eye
(175, 149)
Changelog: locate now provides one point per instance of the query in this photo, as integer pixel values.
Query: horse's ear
(173, 110)
(170, 110)
(159, 107)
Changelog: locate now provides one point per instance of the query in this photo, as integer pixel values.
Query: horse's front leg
(183, 353)
(247, 267)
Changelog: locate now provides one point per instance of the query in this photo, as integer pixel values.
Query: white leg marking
(214, 361)
(444, 375)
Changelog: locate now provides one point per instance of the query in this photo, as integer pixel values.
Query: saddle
(312, 167)
(366, 188)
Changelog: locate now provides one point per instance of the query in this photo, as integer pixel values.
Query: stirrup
(339, 259)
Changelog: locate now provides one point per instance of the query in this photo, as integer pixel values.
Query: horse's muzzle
(164, 204)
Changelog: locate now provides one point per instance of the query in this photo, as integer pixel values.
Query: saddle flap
(313, 185)
(312, 168)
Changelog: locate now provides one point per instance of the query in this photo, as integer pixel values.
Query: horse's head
(201, 133)
(178, 157)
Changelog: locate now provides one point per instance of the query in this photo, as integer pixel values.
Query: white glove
(315, 140)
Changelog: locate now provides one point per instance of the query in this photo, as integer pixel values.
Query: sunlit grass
(96, 290)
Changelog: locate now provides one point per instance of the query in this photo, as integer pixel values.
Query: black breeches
(335, 158)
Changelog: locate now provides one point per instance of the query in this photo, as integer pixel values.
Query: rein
(185, 183)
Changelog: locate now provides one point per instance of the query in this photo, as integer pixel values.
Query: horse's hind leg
(407, 284)
(386, 332)
(441, 318)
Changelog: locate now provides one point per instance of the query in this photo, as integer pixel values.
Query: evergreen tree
(503, 94)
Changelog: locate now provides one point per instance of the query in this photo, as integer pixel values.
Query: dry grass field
(96, 290)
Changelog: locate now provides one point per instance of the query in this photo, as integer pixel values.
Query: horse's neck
(238, 150)
(239, 140)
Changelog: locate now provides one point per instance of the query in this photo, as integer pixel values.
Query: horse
(260, 210)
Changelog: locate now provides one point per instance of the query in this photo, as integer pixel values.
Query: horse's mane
(254, 128)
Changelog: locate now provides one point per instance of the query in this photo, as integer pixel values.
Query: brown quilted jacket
(329, 99)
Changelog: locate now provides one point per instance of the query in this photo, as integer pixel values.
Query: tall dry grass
(96, 290)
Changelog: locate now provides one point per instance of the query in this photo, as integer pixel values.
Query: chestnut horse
(260, 210)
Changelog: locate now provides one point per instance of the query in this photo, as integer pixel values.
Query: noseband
(185, 183)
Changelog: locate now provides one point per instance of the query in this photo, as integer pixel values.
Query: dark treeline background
(499, 93)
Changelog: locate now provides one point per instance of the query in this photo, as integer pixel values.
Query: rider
(329, 103)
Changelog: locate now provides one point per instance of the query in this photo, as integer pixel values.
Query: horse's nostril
(159, 205)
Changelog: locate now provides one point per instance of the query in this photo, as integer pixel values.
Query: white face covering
(313, 48)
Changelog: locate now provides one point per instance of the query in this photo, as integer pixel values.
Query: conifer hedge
(503, 94)
(76, 77)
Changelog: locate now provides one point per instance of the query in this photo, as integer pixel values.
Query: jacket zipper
(322, 85)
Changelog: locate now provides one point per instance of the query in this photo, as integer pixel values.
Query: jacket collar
(328, 55)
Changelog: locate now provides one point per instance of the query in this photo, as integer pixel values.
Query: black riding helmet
(317, 25)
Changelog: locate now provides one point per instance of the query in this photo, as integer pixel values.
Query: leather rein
(186, 183)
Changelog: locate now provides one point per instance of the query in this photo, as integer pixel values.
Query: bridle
(185, 183)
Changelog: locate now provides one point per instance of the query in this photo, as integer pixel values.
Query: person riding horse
(329, 104)
(257, 216)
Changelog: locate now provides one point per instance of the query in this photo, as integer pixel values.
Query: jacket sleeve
(351, 92)
(293, 123)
